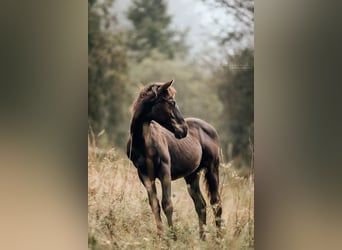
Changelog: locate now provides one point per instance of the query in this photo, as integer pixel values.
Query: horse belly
(185, 160)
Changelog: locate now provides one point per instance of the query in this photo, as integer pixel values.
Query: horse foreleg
(200, 205)
(167, 202)
(153, 200)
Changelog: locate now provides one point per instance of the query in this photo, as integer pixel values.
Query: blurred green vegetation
(236, 84)
(107, 73)
(123, 59)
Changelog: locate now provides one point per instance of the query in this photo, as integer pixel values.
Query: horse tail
(211, 180)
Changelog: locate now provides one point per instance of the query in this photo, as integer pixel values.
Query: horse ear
(155, 90)
(165, 86)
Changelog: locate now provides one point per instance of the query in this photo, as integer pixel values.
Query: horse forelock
(149, 92)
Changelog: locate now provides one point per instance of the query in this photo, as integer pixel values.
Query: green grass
(119, 216)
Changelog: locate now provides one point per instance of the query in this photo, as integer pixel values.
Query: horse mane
(148, 92)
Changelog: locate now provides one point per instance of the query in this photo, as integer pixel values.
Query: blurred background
(206, 46)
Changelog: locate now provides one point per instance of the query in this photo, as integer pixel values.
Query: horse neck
(138, 122)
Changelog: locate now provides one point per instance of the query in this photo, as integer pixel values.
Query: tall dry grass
(119, 215)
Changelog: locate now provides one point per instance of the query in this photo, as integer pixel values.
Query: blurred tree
(106, 72)
(151, 30)
(235, 78)
(236, 91)
(237, 31)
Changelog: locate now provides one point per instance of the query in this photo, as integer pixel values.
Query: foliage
(151, 30)
(106, 72)
(237, 95)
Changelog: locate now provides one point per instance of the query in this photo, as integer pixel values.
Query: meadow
(119, 215)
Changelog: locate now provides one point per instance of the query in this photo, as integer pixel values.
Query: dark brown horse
(164, 145)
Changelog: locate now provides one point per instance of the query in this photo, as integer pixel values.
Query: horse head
(158, 104)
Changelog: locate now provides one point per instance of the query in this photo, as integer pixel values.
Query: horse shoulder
(159, 140)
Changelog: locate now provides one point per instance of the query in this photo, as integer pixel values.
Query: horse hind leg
(212, 182)
(200, 205)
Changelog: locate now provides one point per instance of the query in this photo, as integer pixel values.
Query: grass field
(119, 215)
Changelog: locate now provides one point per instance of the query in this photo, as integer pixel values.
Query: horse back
(207, 135)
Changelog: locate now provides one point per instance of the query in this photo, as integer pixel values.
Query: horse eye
(173, 103)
